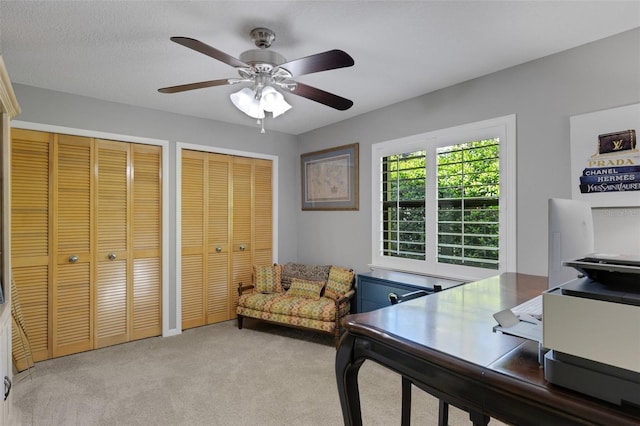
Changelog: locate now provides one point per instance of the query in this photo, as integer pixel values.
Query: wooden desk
(445, 345)
(374, 288)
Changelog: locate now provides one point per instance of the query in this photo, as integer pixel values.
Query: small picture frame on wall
(330, 179)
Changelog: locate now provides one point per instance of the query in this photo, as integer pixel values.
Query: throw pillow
(304, 271)
(268, 279)
(305, 288)
(338, 283)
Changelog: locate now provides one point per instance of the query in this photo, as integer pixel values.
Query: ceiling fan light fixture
(273, 101)
(281, 108)
(245, 100)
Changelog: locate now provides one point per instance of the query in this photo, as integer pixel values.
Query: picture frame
(329, 179)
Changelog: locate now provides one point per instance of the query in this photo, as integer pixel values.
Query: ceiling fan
(264, 70)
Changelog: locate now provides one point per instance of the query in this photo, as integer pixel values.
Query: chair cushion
(338, 283)
(268, 279)
(307, 289)
(272, 306)
(257, 301)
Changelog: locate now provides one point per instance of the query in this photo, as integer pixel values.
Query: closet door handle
(112, 256)
(73, 258)
(242, 247)
(218, 249)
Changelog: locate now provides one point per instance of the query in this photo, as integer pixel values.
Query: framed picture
(330, 179)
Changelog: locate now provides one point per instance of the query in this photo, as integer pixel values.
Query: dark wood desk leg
(479, 419)
(347, 378)
(443, 413)
(406, 402)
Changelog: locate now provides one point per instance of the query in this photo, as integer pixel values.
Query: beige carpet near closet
(212, 375)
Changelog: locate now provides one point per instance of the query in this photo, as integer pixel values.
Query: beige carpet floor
(213, 375)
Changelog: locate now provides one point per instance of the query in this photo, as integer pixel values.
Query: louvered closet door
(225, 201)
(30, 231)
(242, 224)
(129, 234)
(147, 241)
(86, 248)
(219, 307)
(263, 213)
(72, 298)
(113, 239)
(193, 238)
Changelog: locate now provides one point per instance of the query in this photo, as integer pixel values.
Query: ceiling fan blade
(324, 61)
(192, 86)
(326, 98)
(209, 51)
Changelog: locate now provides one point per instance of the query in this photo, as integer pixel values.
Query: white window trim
(502, 127)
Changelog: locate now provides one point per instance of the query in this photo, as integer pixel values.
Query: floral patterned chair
(297, 295)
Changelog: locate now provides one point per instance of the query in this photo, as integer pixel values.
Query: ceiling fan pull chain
(260, 122)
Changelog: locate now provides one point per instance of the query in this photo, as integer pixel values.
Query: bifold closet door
(252, 221)
(113, 240)
(251, 226)
(218, 302)
(205, 239)
(227, 217)
(128, 235)
(146, 304)
(30, 232)
(86, 240)
(193, 238)
(263, 212)
(226, 229)
(242, 224)
(73, 211)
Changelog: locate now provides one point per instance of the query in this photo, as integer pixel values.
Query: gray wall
(543, 94)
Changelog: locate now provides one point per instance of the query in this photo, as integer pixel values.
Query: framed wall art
(330, 179)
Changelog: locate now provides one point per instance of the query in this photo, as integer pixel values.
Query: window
(444, 201)
(403, 205)
(468, 203)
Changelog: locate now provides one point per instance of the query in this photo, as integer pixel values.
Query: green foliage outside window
(404, 178)
(468, 192)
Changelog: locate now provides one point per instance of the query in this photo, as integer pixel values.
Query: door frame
(9, 109)
(180, 146)
(164, 144)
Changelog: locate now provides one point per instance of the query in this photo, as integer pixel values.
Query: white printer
(592, 327)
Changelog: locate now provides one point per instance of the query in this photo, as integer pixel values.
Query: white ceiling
(120, 50)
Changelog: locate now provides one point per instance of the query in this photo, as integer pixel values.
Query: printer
(591, 327)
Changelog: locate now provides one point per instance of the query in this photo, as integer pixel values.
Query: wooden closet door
(75, 202)
(226, 203)
(242, 224)
(217, 214)
(72, 298)
(113, 240)
(263, 213)
(193, 238)
(146, 191)
(30, 232)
